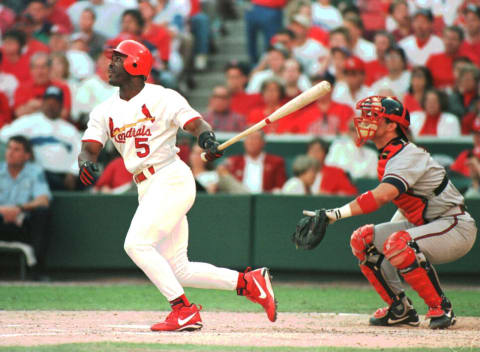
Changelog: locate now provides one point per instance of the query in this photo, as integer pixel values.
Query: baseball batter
(142, 120)
(431, 225)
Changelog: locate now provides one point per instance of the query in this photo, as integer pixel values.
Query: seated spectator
(28, 96)
(292, 75)
(358, 162)
(37, 11)
(8, 84)
(421, 81)
(24, 201)
(360, 47)
(353, 88)
(115, 179)
(441, 64)
(329, 179)
(472, 28)
(257, 170)
(474, 165)
(460, 164)
(236, 77)
(95, 40)
(376, 69)
(304, 170)
(57, 15)
(15, 59)
(56, 143)
(7, 18)
(398, 22)
(333, 67)
(325, 15)
(422, 43)
(434, 120)
(5, 111)
(398, 77)
(219, 114)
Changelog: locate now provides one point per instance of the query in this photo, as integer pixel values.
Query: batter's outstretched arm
(206, 138)
(87, 162)
(364, 203)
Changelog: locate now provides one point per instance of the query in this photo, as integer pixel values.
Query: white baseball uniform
(143, 131)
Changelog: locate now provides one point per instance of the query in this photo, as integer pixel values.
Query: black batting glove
(208, 142)
(88, 173)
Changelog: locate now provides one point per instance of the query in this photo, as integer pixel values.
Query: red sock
(241, 284)
(179, 302)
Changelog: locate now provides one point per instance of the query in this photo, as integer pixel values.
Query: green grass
(310, 298)
(135, 347)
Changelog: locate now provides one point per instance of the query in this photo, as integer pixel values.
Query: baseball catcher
(431, 225)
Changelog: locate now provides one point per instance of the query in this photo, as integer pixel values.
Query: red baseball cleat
(186, 318)
(259, 290)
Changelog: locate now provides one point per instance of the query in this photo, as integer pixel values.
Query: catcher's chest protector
(412, 206)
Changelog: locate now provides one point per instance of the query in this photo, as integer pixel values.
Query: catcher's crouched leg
(404, 254)
(400, 309)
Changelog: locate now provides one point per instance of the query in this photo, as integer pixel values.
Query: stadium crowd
(425, 52)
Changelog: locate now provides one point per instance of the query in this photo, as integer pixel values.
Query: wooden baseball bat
(293, 105)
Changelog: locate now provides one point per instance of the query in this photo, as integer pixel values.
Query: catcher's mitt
(310, 230)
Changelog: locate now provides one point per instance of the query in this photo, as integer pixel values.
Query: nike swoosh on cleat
(186, 320)
(396, 321)
(262, 292)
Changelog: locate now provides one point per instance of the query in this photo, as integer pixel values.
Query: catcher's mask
(373, 109)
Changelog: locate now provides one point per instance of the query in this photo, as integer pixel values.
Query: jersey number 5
(143, 149)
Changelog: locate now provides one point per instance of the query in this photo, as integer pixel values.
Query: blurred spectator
(264, 16)
(474, 167)
(28, 96)
(7, 18)
(304, 171)
(306, 50)
(325, 15)
(57, 15)
(292, 77)
(59, 39)
(356, 161)
(38, 12)
(464, 98)
(273, 93)
(24, 201)
(107, 16)
(95, 40)
(376, 69)
(284, 37)
(434, 120)
(398, 22)
(271, 66)
(219, 114)
(91, 92)
(201, 31)
(421, 80)
(56, 143)
(340, 38)
(5, 111)
(60, 71)
(333, 67)
(398, 78)
(472, 28)
(8, 83)
(460, 164)
(115, 179)
(422, 43)
(329, 179)
(236, 77)
(441, 65)
(14, 58)
(353, 88)
(81, 63)
(257, 170)
(359, 46)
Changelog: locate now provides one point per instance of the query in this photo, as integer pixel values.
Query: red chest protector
(412, 206)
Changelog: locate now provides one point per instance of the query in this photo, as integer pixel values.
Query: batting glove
(207, 141)
(88, 173)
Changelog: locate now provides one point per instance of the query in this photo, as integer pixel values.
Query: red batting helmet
(375, 108)
(138, 60)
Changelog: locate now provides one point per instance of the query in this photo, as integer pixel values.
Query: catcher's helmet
(375, 108)
(138, 60)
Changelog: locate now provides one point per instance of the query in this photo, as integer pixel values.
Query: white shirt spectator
(8, 85)
(255, 83)
(293, 186)
(309, 54)
(365, 50)
(327, 17)
(90, 92)
(253, 175)
(341, 94)
(81, 64)
(418, 56)
(357, 161)
(448, 125)
(56, 143)
(399, 86)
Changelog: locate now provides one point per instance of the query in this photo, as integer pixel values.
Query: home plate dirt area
(22, 328)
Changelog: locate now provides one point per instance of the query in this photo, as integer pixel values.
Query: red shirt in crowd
(336, 181)
(242, 103)
(270, 3)
(5, 111)
(279, 126)
(460, 163)
(21, 68)
(114, 175)
(410, 103)
(473, 50)
(320, 35)
(29, 90)
(441, 67)
(429, 127)
(59, 17)
(374, 70)
(160, 37)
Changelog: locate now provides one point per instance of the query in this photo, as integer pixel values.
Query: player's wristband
(204, 137)
(343, 212)
(366, 201)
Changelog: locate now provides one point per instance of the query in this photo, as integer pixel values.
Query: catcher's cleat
(185, 318)
(400, 312)
(259, 290)
(441, 317)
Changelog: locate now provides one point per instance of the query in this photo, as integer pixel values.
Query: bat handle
(309, 213)
(204, 157)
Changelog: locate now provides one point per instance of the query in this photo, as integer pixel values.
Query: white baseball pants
(157, 239)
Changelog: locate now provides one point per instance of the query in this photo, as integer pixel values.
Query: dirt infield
(29, 328)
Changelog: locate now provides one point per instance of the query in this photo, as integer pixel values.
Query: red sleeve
(106, 179)
(5, 112)
(460, 164)
(336, 181)
(22, 95)
(280, 173)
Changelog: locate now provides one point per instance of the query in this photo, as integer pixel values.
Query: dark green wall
(234, 231)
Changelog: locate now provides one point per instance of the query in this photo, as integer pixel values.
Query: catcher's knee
(399, 251)
(361, 240)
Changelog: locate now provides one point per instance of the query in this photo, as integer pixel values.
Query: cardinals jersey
(144, 128)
